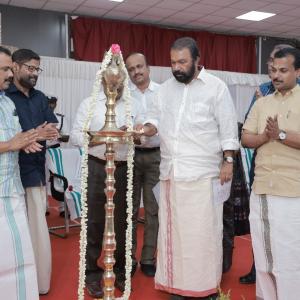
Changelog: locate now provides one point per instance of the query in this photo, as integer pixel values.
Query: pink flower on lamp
(115, 49)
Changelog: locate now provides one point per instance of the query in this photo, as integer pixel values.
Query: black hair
(23, 55)
(187, 42)
(5, 51)
(290, 51)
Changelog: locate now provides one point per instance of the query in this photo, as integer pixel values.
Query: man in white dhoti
(18, 280)
(198, 131)
(273, 128)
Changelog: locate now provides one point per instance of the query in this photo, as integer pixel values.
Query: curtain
(92, 37)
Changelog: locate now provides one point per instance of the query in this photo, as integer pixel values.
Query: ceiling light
(255, 15)
(117, 0)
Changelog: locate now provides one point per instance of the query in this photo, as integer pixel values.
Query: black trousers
(236, 208)
(228, 224)
(146, 176)
(96, 200)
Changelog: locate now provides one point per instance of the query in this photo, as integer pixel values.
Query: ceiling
(210, 15)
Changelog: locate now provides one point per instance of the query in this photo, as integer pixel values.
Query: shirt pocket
(291, 121)
(199, 113)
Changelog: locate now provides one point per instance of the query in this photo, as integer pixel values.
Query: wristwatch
(282, 135)
(228, 159)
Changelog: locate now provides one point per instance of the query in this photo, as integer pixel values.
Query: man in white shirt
(146, 164)
(194, 116)
(96, 197)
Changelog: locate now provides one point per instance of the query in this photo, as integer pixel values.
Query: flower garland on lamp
(114, 50)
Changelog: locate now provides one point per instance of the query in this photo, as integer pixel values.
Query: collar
(203, 75)
(150, 87)
(13, 89)
(292, 91)
(132, 86)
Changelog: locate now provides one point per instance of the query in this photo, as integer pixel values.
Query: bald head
(137, 54)
(138, 70)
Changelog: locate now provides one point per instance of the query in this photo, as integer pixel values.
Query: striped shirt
(10, 180)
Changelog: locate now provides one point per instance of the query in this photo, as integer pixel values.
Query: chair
(247, 156)
(64, 165)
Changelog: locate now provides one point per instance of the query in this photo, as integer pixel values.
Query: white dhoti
(189, 259)
(18, 279)
(275, 231)
(36, 198)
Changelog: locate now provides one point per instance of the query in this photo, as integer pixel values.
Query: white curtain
(71, 81)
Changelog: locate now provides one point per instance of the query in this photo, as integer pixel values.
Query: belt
(147, 149)
(118, 163)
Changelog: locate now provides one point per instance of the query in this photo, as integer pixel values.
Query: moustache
(10, 79)
(178, 73)
(136, 75)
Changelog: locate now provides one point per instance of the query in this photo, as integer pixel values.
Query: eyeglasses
(31, 69)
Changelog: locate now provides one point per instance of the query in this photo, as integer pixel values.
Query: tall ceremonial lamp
(113, 78)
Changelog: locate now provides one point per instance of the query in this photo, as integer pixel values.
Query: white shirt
(195, 122)
(146, 100)
(97, 122)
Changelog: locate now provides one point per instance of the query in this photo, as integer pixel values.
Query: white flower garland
(128, 245)
(84, 175)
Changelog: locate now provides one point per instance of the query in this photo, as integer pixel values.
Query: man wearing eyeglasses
(33, 112)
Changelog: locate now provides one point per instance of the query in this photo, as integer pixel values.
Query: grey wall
(41, 31)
